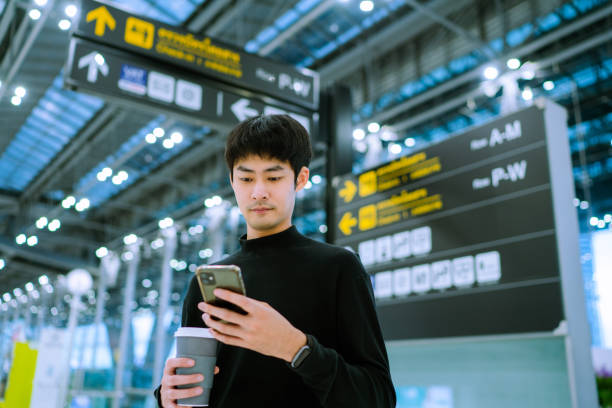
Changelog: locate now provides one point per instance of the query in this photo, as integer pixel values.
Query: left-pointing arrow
(95, 62)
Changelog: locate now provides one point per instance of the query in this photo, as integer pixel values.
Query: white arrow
(96, 63)
(242, 110)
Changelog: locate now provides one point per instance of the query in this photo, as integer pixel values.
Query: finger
(175, 380)
(216, 369)
(224, 314)
(228, 329)
(175, 362)
(225, 339)
(244, 302)
(177, 393)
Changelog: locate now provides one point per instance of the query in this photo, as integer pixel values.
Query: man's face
(265, 190)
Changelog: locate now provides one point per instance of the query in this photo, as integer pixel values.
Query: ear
(302, 178)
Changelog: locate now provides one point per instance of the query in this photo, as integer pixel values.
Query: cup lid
(193, 332)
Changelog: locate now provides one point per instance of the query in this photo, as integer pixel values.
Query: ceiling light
(15, 100)
(593, 221)
(42, 222)
(159, 132)
(33, 240)
(513, 63)
(584, 205)
(6, 297)
(146, 283)
(395, 148)
(2, 264)
(601, 224)
(116, 180)
(150, 138)
(373, 127)
(168, 143)
(358, 134)
(527, 94)
(166, 223)
(409, 142)
(217, 200)
(101, 252)
(316, 179)
(130, 239)
(322, 228)
(29, 286)
(176, 137)
(608, 218)
(64, 24)
(21, 239)
(101, 176)
(40, 3)
(54, 225)
(34, 14)
(70, 10)
(17, 292)
(205, 253)
(82, 205)
(20, 91)
(127, 256)
(366, 5)
(157, 243)
(43, 280)
(123, 175)
(308, 185)
(490, 72)
(68, 202)
(548, 85)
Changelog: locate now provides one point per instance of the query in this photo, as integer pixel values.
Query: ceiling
(413, 66)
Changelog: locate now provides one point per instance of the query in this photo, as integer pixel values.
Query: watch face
(301, 356)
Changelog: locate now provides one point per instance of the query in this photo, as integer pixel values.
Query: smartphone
(226, 277)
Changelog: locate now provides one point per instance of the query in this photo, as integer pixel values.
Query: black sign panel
(203, 55)
(128, 78)
(459, 238)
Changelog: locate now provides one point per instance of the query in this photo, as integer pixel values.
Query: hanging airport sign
(204, 55)
(459, 238)
(132, 79)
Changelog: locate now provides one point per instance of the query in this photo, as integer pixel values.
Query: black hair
(271, 137)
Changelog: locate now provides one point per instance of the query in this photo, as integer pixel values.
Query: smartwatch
(302, 353)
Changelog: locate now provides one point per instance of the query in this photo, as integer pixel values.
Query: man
(311, 337)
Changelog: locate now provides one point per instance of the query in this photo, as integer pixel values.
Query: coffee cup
(198, 344)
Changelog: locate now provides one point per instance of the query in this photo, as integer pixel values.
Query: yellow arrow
(348, 192)
(347, 223)
(103, 18)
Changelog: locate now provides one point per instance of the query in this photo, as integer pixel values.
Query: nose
(259, 192)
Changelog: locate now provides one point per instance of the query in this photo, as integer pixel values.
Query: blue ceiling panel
(50, 126)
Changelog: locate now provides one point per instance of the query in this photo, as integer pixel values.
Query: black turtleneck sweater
(322, 290)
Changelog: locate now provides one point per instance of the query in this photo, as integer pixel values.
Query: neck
(253, 233)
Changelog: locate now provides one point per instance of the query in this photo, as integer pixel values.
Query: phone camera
(209, 279)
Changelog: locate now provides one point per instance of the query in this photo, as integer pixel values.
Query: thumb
(216, 370)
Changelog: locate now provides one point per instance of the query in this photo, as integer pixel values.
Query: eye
(245, 179)
(274, 178)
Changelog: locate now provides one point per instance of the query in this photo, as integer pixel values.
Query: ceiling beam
(525, 50)
(207, 14)
(385, 40)
(301, 23)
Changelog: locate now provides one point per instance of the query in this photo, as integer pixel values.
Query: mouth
(261, 210)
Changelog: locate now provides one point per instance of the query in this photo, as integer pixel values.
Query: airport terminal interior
(462, 148)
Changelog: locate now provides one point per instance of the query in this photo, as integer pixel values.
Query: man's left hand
(263, 329)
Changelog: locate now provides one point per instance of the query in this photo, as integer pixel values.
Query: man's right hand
(169, 393)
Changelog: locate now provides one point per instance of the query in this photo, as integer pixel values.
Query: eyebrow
(278, 167)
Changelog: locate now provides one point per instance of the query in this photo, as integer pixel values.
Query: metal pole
(165, 287)
(75, 307)
(128, 298)
(100, 303)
